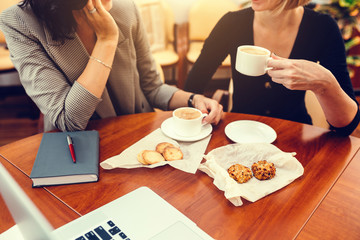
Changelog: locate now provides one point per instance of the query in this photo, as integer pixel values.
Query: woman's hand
(101, 21)
(205, 104)
(338, 107)
(300, 74)
(95, 18)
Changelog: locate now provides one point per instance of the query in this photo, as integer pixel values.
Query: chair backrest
(159, 22)
(315, 111)
(2, 38)
(204, 14)
(160, 71)
(4, 4)
(169, 20)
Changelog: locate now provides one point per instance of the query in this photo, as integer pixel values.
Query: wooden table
(281, 215)
(53, 209)
(337, 217)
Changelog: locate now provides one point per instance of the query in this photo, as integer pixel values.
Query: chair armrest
(222, 97)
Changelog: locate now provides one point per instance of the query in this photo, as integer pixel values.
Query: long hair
(290, 4)
(56, 15)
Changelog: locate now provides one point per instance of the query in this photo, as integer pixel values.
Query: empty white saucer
(247, 131)
(168, 129)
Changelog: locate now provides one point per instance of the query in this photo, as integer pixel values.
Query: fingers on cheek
(89, 5)
(98, 3)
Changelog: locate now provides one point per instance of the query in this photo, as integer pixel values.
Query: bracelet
(190, 100)
(99, 61)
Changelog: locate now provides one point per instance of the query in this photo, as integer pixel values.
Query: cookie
(263, 170)
(240, 173)
(172, 154)
(152, 157)
(161, 146)
(140, 158)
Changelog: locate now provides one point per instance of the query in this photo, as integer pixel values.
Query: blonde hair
(290, 4)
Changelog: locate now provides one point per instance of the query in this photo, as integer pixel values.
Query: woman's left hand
(300, 74)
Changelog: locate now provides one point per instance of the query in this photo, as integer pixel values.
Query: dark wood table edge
(327, 193)
(46, 189)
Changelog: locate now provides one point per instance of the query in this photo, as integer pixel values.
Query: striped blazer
(48, 70)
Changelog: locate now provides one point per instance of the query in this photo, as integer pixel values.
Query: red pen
(71, 147)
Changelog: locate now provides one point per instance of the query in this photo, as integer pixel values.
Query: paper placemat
(193, 153)
(288, 168)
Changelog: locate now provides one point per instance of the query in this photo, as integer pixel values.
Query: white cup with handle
(187, 121)
(252, 60)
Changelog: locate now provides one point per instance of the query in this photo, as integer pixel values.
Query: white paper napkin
(288, 168)
(193, 153)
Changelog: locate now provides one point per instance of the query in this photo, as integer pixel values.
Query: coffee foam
(254, 51)
(187, 114)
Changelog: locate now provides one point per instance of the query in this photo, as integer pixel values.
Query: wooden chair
(203, 16)
(5, 62)
(9, 78)
(159, 23)
(314, 109)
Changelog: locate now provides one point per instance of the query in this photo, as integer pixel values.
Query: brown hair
(56, 15)
(289, 4)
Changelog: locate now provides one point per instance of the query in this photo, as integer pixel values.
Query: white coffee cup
(252, 60)
(187, 121)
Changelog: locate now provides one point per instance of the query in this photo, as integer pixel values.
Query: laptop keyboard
(106, 231)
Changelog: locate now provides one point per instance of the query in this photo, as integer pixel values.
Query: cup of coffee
(252, 60)
(187, 121)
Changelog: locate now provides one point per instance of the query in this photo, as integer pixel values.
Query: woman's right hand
(101, 21)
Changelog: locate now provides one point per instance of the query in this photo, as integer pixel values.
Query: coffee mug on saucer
(252, 60)
(187, 121)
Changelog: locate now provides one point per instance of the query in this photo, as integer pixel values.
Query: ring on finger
(92, 10)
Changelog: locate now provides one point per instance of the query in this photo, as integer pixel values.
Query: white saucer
(247, 131)
(167, 129)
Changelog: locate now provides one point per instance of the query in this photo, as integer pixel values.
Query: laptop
(138, 215)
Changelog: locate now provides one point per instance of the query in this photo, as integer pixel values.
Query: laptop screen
(160, 221)
(29, 219)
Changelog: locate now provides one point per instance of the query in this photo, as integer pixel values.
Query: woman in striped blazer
(87, 59)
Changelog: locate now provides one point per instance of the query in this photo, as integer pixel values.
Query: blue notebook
(54, 164)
